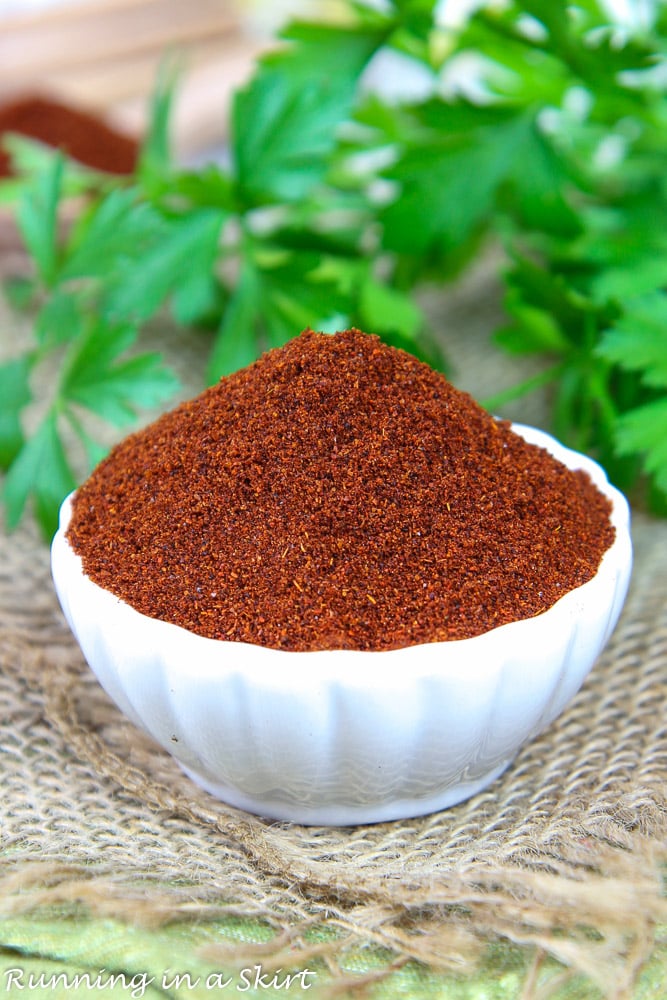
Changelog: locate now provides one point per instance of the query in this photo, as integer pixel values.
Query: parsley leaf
(14, 395)
(37, 217)
(284, 122)
(643, 430)
(279, 291)
(284, 154)
(96, 379)
(40, 471)
(638, 340)
(236, 344)
(337, 207)
(448, 184)
(118, 227)
(188, 244)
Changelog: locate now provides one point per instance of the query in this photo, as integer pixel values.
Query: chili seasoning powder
(337, 493)
(83, 136)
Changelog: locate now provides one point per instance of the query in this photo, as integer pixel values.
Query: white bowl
(345, 736)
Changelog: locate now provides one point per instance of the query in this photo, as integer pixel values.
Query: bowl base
(346, 813)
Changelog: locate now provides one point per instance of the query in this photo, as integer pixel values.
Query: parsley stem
(523, 388)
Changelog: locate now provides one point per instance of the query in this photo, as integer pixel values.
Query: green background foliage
(341, 201)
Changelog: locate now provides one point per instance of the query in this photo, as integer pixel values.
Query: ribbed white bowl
(344, 736)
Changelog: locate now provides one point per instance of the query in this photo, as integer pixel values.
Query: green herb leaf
(284, 122)
(115, 389)
(532, 330)
(299, 292)
(31, 159)
(198, 299)
(328, 51)
(638, 340)
(120, 227)
(558, 157)
(37, 217)
(283, 155)
(40, 471)
(536, 185)
(95, 451)
(14, 395)
(209, 187)
(188, 246)
(237, 341)
(448, 187)
(155, 159)
(279, 293)
(386, 310)
(58, 321)
(19, 292)
(644, 431)
(551, 313)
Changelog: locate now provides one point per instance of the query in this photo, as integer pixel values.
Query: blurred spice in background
(83, 136)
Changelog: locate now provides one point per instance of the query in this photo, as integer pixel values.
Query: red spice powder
(337, 493)
(81, 135)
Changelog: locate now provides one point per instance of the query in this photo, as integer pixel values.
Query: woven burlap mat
(564, 852)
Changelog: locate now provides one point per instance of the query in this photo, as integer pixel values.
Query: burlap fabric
(562, 853)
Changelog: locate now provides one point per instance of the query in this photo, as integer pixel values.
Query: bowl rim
(216, 655)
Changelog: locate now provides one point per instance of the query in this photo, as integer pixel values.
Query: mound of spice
(83, 136)
(337, 493)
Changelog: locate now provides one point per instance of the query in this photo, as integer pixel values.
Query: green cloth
(69, 955)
